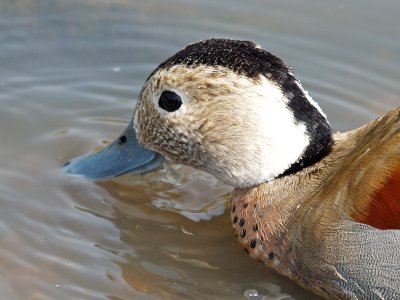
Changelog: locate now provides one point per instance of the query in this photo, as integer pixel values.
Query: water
(70, 73)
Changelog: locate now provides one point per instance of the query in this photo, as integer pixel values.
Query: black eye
(170, 101)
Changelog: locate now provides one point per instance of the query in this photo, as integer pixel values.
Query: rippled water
(70, 73)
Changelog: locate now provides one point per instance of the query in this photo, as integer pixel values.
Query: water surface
(70, 75)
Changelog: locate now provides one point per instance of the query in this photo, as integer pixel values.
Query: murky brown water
(70, 73)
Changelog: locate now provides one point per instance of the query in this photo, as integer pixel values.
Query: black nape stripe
(317, 126)
(309, 158)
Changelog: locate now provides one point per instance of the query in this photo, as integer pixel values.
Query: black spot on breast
(255, 227)
(243, 233)
(234, 220)
(245, 205)
(271, 255)
(233, 208)
(241, 222)
(253, 243)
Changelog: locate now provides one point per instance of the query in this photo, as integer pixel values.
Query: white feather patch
(274, 142)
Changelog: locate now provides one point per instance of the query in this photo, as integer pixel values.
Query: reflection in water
(184, 257)
(70, 74)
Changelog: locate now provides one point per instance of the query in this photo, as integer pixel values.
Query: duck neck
(268, 218)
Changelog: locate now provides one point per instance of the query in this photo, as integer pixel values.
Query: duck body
(322, 226)
(320, 208)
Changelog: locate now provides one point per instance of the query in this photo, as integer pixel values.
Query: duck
(319, 207)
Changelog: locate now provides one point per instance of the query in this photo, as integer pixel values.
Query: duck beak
(124, 155)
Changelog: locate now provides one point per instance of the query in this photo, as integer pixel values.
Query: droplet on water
(251, 294)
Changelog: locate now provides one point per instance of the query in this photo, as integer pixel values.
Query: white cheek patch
(274, 140)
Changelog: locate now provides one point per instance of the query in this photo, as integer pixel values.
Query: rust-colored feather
(383, 211)
(376, 192)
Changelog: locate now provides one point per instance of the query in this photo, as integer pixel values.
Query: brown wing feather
(383, 211)
(378, 186)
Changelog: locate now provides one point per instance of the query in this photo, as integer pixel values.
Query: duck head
(232, 109)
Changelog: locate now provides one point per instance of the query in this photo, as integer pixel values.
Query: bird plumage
(310, 204)
(318, 227)
(320, 208)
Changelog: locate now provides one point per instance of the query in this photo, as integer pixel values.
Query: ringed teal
(320, 208)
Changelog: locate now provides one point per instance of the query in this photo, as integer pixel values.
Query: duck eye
(170, 101)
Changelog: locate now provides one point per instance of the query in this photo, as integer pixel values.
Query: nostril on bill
(122, 140)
